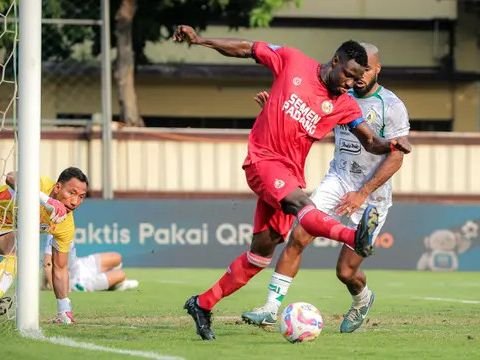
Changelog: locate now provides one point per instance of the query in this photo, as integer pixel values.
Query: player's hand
(261, 98)
(185, 33)
(350, 202)
(56, 209)
(401, 144)
(64, 318)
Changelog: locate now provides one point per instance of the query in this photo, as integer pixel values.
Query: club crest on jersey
(297, 81)
(327, 106)
(371, 116)
(278, 184)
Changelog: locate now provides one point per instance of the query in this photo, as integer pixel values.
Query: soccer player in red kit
(307, 100)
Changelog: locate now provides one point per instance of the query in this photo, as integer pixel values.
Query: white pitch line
(63, 341)
(462, 301)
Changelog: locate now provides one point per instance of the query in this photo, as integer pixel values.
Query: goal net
(8, 101)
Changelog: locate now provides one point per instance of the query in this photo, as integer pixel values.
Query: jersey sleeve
(352, 114)
(63, 234)
(396, 121)
(272, 56)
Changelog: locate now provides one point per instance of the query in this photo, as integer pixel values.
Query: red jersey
(298, 112)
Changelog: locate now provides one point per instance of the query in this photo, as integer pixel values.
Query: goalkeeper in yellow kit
(58, 201)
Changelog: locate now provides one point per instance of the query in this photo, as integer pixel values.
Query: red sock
(317, 223)
(240, 271)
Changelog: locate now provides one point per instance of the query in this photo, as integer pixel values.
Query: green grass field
(416, 316)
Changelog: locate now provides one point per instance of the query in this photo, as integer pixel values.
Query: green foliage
(154, 20)
(262, 14)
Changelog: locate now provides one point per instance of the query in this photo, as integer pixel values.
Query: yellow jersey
(63, 233)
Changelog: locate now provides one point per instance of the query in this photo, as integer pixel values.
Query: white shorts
(86, 275)
(327, 196)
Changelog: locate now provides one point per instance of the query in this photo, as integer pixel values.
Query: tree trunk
(125, 64)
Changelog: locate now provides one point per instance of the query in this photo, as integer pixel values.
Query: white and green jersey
(387, 116)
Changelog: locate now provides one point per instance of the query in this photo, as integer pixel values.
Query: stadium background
(197, 107)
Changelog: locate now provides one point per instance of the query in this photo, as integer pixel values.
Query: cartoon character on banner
(444, 245)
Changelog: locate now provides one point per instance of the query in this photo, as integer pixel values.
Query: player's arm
(375, 144)
(261, 98)
(60, 273)
(55, 208)
(225, 46)
(353, 200)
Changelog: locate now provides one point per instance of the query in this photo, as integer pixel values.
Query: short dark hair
(70, 173)
(353, 50)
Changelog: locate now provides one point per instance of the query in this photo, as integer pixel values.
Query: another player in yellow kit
(58, 200)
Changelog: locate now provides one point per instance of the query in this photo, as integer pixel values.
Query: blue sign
(210, 233)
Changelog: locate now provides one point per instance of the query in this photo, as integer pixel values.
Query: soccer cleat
(354, 318)
(64, 318)
(5, 304)
(365, 229)
(260, 317)
(202, 318)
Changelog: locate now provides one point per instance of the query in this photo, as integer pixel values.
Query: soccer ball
(301, 322)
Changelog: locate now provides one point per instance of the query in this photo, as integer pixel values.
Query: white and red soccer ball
(301, 322)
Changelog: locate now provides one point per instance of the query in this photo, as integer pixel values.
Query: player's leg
(318, 223)
(110, 280)
(285, 270)
(349, 273)
(109, 261)
(269, 228)
(239, 272)
(325, 198)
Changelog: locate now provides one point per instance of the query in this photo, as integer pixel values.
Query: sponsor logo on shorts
(278, 184)
(349, 146)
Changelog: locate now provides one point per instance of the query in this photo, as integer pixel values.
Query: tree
(137, 21)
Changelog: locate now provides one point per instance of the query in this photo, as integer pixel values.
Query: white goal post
(28, 186)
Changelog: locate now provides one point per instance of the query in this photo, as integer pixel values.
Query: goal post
(28, 186)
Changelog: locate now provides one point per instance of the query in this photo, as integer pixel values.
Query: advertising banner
(210, 233)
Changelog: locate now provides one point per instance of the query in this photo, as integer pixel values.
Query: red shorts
(272, 181)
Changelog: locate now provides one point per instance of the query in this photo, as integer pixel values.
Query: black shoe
(202, 318)
(365, 229)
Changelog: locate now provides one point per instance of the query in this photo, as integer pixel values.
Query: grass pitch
(416, 315)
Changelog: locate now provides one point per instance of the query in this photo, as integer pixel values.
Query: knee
(345, 273)
(292, 205)
(117, 258)
(264, 244)
(299, 239)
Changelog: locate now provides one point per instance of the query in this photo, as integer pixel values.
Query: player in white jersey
(355, 178)
(95, 272)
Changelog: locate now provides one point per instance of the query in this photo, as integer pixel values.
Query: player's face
(70, 193)
(364, 86)
(344, 75)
